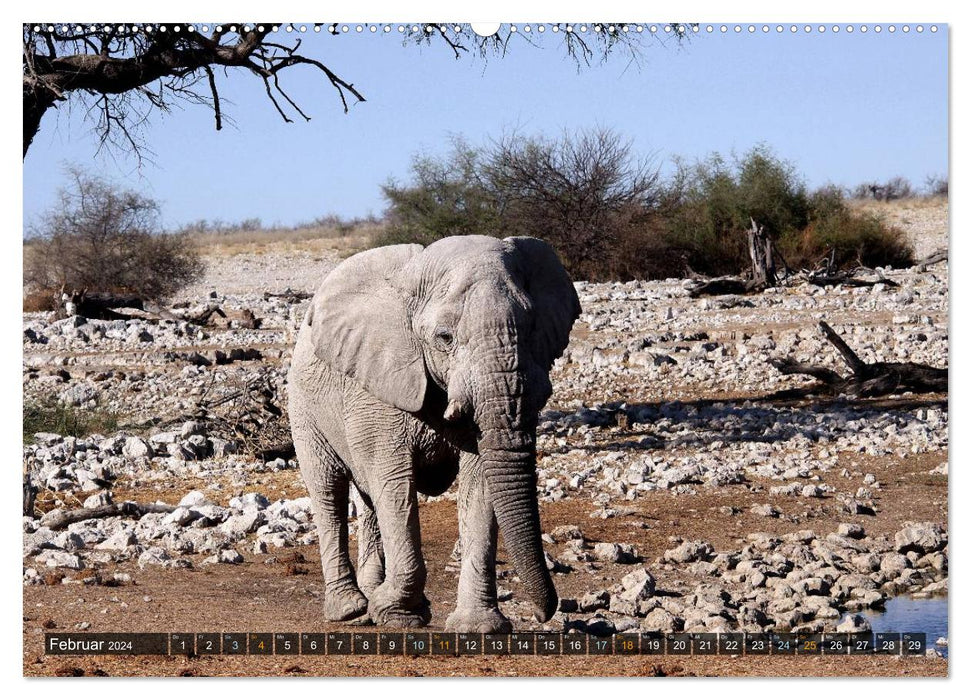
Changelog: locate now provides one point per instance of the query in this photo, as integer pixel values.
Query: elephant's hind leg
(477, 609)
(328, 480)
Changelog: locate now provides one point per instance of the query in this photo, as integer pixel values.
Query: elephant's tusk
(453, 411)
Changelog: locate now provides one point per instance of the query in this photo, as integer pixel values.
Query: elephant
(416, 366)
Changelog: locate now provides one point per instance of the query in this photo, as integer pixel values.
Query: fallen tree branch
(157, 312)
(850, 357)
(202, 318)
(823, 374)
(283, 450)
(97, 305)
(866, 379)
(847, 280)
(937, 256)
(289, 295)
(724, 285)
(250, 413)
(60, 519)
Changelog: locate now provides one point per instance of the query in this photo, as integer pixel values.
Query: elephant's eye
(444, 337)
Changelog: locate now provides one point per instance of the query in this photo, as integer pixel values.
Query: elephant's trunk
(507, 449)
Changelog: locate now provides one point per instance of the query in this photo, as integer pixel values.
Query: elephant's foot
(370, 577)
(487, 620)
(388, 608)
(404, 618)
(343, 604)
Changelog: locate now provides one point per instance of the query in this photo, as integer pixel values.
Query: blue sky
(843, 107)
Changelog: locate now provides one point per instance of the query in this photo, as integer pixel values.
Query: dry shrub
(324, 233)
(894, 188)
(48, 415)
(40, 300)
(853, 239)
(936, 186)
(101, 237)
(582, 193)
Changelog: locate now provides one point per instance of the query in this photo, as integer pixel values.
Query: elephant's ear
(360, 326)
(555, 302)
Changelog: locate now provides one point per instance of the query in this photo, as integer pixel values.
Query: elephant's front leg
(399, 601)
(370, 553)
(327, 480)
(477, 609)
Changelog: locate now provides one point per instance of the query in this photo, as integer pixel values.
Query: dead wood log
(760, 253)
(283, 450)
(721, 286)
(156, 312)
(761, 275)
(847, 280)
(846, 352)
(827, 266)
(30, 496)
(865, 379)
(288, 295)
(243, 318)
(60, 519)
(97, 305)
(202, 318)
(937, 256)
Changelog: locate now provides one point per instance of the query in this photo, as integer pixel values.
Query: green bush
(853, 238)
(448, 197)
(51, 416)
(712, 203)
(610, 217)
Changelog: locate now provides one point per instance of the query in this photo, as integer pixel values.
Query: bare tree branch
(215, 99)
(109, 67)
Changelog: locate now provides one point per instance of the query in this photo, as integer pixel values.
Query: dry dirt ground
(281, 591)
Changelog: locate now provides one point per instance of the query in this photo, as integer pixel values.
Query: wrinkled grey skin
(415, 366)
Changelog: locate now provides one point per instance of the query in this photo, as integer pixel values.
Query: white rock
(153, 556)
(102, 498)
(638, 585)
(181, 516)
(136, 447)
(230, 556)
(919, 537)
(249, 501)
(854, 623)
(237, 526)
(194, 498)
(54, 558)
(163, 438)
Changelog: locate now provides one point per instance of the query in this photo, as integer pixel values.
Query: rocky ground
(677, 493)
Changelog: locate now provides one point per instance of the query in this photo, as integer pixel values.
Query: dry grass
(42, 300)
(311, 239)
(898, 207)
(925, 219)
